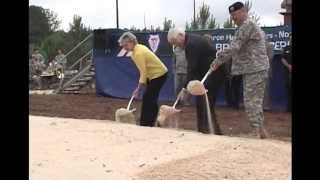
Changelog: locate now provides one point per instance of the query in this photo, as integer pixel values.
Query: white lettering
(229, 37)
(222, 46)
(269, 36)
(283, 34)
(279, 45)
(218, 38)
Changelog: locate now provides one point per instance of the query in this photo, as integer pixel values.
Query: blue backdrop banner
(117, 75)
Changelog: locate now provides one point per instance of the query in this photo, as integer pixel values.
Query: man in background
(180, 71)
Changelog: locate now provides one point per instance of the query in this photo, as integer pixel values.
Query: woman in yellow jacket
(153, 74)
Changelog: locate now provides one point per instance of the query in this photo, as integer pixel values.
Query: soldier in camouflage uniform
(267, 101)
(35, 70)
(60, 59)
(38, 56)
(38, 60)
(249, 58)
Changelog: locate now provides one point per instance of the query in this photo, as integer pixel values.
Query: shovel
(126, 115)
(167, 111)
(196, 87)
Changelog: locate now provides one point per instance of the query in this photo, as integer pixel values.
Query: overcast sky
(102, 13)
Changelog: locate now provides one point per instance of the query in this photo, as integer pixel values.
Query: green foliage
(228, 23)
(204, 19)
(212, 23)
(38, 25)
(204, 14)
(188, 28)
(52, 43)
(252, 14)
(167, 24)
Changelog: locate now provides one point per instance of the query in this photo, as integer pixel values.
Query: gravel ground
(82, 149)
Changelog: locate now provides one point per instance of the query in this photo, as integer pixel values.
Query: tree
(144, 30)
(38, 24)
(255, 17)
(204, 14)
(212, 23)
(167, 24)
(53, 21)
(133, 28)
(195, 24)
(252, 14)
(77, 33)
(228, 23)
(52, 43)
(42, 23)
(158, 29)
(204, 19)
(188, 28)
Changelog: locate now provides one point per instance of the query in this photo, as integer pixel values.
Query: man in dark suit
(199, 54)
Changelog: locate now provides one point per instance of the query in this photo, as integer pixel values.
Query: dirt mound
(234, 160)
(69, 149)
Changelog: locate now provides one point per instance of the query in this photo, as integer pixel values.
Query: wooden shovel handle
(129, 104)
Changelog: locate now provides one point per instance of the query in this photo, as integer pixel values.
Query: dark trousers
(150, 108)
(228, 91)
(235, 86)
(213, 84)
(288, 84)
(232, 91)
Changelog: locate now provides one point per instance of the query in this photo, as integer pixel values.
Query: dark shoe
(217, 130)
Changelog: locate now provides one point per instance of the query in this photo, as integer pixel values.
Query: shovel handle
(129, 104)
(178, 98)
(206, 76)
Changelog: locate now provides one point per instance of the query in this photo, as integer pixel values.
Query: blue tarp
(118, 76)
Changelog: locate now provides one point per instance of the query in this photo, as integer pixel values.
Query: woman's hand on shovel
(136, 92)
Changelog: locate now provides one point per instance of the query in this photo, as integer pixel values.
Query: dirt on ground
(88, 149)
(89, 106)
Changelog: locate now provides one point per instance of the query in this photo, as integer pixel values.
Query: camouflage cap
(235, 6)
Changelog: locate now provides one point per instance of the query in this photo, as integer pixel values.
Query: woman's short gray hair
(128, 36)
(174, 32)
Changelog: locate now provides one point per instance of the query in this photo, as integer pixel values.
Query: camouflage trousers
(253, 93)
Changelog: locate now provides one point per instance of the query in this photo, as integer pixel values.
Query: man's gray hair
(174, 32)
(128, 36)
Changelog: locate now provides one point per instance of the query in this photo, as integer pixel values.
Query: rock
(53, 124)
